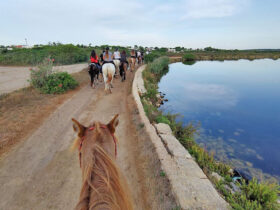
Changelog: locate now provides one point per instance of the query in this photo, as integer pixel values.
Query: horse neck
(102, 187)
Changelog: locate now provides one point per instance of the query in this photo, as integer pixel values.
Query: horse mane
(102, 186)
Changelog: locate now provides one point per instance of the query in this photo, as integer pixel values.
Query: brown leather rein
(90, 129)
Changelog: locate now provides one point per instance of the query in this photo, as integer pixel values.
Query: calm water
(238, 106)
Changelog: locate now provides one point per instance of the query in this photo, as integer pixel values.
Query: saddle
(92, 67)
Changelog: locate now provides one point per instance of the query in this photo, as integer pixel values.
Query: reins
(90, 129)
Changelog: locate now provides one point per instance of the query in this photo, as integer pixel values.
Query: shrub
(59, 83)
(44, 79)
(39, 75)
(264, 194)
(150, 110)
(162, 119)
(188, 57)
(159, 67)
(151, 57)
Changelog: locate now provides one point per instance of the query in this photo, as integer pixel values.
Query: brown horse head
(102, 187)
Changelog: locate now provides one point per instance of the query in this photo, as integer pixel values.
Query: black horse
(123, 69)
(93, 71)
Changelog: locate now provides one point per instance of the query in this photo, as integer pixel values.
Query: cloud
(211, 95)
(147, 22)
(211, 8)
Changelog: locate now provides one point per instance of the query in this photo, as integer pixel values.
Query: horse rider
(101, 56)
(117, 55)
(142, 56)
(94, 59)
(108, 57)
(123, 60)
(94, 63)
(139, 58)
(133, 54)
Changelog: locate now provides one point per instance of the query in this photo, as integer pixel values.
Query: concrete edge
(189, 185)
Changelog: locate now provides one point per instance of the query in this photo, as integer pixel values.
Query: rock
(216, 176)
(230, 171)
(163, 128)
(235, 188)
(228, 189)
(158, 95)
(157, 104)
(165, 99)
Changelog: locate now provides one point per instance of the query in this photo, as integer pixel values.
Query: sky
(227, 24)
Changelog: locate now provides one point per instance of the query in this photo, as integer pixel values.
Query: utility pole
(26, 41)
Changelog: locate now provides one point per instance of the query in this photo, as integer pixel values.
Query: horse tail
(109, 77)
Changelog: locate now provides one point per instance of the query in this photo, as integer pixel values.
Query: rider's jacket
(94, 60)
(117, 55)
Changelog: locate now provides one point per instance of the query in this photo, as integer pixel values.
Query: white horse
(117, 64)
(108, 70)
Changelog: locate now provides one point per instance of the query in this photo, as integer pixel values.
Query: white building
(171, 50)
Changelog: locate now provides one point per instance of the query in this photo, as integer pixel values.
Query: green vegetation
(44, 79)
(70, 54)
(210, 53)
(188, 57)
(153, 55)
(253, 195)
(162, 173)
(62, 54)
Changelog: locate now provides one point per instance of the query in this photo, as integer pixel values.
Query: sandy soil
(13, 78)
(42, 173)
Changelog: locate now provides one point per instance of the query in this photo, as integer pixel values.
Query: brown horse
(132, 60)
(102, 186)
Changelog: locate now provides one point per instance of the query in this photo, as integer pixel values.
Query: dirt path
(13, 78)
(41, 172)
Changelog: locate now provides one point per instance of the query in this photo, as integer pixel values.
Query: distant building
(22, 46)
(171, 50)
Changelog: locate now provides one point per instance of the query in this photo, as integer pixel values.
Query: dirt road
(13, 78)
(42, 173)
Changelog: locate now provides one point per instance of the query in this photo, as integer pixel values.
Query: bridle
(90, 129)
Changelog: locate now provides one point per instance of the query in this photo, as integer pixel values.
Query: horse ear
(78, 128)
(113, 124)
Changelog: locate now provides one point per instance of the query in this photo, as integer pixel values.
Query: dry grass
(23, 111)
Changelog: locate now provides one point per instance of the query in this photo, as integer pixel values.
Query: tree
(178, 49)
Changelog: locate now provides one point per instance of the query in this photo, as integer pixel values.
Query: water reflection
(211, 95)
(189, 63)
(237, 103)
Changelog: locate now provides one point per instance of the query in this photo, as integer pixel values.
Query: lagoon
(237, 104)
